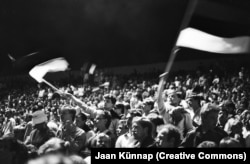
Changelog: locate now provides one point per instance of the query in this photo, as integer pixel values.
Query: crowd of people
(204, 109)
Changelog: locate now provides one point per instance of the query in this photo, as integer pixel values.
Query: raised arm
(159, 98)
(84, 106)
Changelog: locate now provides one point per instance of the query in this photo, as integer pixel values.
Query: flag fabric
(92, 69)
(196, 39)
(53, 65)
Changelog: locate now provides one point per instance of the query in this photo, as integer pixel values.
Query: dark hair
(106, 114)
(172, 132)
(120, 106)
(111, 97)
(69, 109)
(145, 123)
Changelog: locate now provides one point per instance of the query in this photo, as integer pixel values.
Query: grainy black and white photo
(82, 74)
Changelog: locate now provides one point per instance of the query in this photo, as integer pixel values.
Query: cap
(39, 117)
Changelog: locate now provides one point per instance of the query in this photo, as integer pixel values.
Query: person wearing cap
(194, 101)
(41, 132)
(68, 130)
(207, 131)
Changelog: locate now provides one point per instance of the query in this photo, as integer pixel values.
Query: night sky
(107, 32)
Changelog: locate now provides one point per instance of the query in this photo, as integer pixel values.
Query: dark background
(110, 32)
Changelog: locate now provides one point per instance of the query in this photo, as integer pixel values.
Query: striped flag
(196, 39)
(53, 65)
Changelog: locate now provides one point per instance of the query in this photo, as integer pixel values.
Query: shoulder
(80, 131)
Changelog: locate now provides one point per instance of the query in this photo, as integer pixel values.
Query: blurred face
(66, 117)
(146, 107)
(118, 111)
(211, 120)
(138, 131)
(103, 142)
(173, 99)
(121, 129)
(192, 103)
(162, 141)
(108, 104)
(100, 121)
(79, 121)
(222, 117)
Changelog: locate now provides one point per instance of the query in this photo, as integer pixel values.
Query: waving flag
(53, 65)
(196, 39)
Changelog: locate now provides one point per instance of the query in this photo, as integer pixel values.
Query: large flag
(53, 65)
(196, 39)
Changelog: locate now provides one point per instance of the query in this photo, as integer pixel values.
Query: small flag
(92, 69)
(196, 39)
(95, 89)
(105, 85)
(53, 65)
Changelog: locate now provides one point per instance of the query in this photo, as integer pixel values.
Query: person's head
(229, 142)
(194, 101)
(207, 144)
(9, 113)
(148, 105)
(234, 126)
(103, 141)
(141, 128)
(222, 116)
(81, 118)
(67, 114)
(102, 119)
(176, 115)
(54, 145)
(173, 97)
(131, 114)
(209, 116)
(109, 101)
(121, 128)
(168, 136)
(119, 108)
(230, 106)
(39, 120)
(156, 121)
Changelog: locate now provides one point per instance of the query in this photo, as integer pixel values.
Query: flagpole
(49, 84)
(185, 21)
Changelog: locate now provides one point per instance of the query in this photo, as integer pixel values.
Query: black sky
(107, 32)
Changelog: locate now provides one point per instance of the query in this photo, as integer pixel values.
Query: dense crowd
(207, 108)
